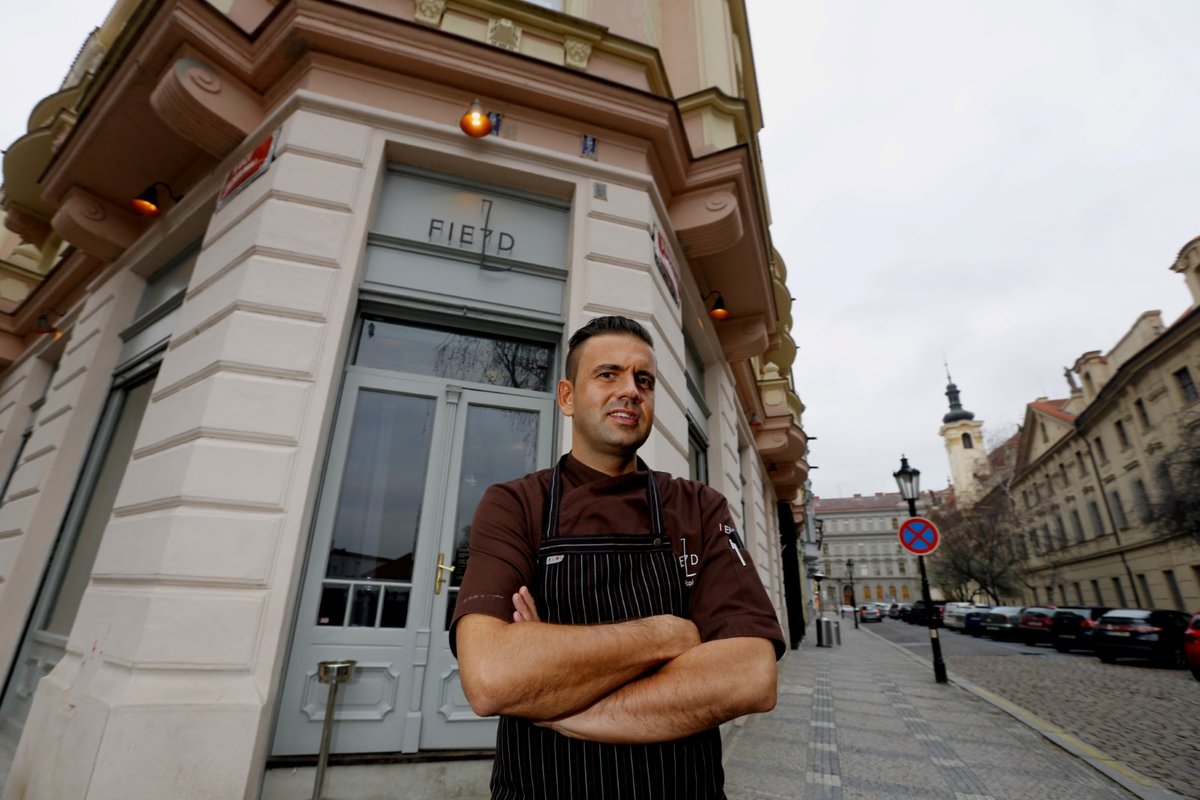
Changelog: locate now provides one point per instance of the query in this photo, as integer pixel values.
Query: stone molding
(205, 104)
(744, 337)
(707, 221)
(576, 53)
(95, 225)
(429, 12)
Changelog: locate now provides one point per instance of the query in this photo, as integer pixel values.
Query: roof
(1055, 408)
(880, 501)
(998, 457)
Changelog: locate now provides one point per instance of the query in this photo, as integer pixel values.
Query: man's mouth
(624, 416)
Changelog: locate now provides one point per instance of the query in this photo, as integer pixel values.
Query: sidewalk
(866, 720)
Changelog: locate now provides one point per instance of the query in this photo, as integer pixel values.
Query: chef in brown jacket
(610, 614)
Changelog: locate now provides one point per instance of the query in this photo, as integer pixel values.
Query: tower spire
(957, 412)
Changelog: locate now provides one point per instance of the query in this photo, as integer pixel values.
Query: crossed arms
(642, 681)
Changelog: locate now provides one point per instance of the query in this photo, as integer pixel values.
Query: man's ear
(565, 394)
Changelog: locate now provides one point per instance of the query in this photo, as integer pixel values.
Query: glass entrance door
(409, 459)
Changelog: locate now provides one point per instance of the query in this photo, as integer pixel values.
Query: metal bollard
(837, 632)
(332, 673)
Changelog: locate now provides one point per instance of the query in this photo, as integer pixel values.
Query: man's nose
(630, 389)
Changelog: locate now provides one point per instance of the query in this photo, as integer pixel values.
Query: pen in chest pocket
(735, 543)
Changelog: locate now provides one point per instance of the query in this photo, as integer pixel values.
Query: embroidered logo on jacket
(554, 559)
(688, 562)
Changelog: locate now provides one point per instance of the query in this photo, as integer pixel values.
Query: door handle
(440, 577)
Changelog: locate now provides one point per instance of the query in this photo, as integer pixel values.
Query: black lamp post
(909, 481)
(853, 602)
(818, 576)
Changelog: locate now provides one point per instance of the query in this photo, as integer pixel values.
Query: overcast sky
(1003, 183)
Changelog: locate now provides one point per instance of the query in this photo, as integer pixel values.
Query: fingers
(524, 609)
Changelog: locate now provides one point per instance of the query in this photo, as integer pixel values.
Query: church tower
(963, 435)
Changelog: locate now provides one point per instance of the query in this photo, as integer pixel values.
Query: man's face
(611, 401)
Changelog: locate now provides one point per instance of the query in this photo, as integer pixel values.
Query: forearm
(700, 689)
(541, 671)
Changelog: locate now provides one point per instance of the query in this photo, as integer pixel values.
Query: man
(609, 614)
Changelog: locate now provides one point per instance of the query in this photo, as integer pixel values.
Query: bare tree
(979, 554)
(1176, 511)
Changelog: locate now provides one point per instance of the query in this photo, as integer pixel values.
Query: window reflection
(379, 506)
(455, 355)
(500, 444)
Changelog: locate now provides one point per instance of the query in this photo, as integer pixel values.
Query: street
(1143, 716)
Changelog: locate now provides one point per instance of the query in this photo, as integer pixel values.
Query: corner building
(248, 435)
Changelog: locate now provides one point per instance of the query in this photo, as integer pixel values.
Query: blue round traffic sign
(919, 536)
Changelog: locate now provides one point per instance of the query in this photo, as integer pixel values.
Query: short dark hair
(600, 325)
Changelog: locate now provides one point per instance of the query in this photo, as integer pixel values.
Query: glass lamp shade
(475, 122)
(908, 479)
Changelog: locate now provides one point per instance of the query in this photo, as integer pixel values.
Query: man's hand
(533, 669)
(524, 609)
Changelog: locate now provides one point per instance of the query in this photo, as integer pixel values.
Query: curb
(1106, 765)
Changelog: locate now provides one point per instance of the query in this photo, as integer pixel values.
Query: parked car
(869, 613)
(1033, 626)
(918, 615)
(973, 621)
(1191, 645)
(904, 611)
(955, 615)
(1142, 633)
(1072, 628)
(1001, 621)
(894, 611)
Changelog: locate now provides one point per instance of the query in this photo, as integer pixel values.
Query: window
(1024, 552)
(1062, 468)
(904, 592)
(1094, 518)
(1120, 590)
(1080, 463)
(902, 567)
(1097, 593)
(1034, 545)
(697, 453)
(1147, 598)
(1141, 500)
(1060, 531)
(825, 549)
(1139, 405)
(866, 593)
(1122, 438)
(1118, 509)
(1100, 449)
(1184, 378)
(968, 444)
(1173, 588)
(1077, 525)
(1046, 537)
(895, 523)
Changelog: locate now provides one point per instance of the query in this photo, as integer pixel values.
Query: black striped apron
(588, 580)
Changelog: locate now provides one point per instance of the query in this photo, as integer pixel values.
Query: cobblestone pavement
(864, 720)
(1145, 717)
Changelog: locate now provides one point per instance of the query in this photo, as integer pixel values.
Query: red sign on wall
(256, 162)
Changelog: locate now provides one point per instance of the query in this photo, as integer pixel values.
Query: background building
(865, 530)
(248, 434)
(1099, 505)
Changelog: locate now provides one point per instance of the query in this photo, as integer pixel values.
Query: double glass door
(410, 457)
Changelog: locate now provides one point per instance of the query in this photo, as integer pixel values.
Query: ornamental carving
(576, 53)
(205, 104)
(504, 33)
(429, 12)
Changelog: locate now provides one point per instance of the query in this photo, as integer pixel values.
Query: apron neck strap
(554, 498)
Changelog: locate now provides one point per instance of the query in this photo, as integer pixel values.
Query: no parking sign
(919, 536)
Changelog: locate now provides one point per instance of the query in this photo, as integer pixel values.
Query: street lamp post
(909, 481)
(853, 601)
(818, 577)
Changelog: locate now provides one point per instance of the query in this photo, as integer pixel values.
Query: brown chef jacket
(727, 598)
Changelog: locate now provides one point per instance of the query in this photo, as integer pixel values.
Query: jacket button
(658, 540)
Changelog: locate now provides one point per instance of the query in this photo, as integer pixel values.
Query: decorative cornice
(429, 12)
(95, 225)
(205, 104)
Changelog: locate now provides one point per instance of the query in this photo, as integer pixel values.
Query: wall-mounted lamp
(475, 122)
(718, 310)
(43, 326)
(149, 202)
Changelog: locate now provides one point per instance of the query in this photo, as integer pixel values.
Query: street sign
(919, 536)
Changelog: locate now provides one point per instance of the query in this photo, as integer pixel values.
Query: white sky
(1004, 182)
